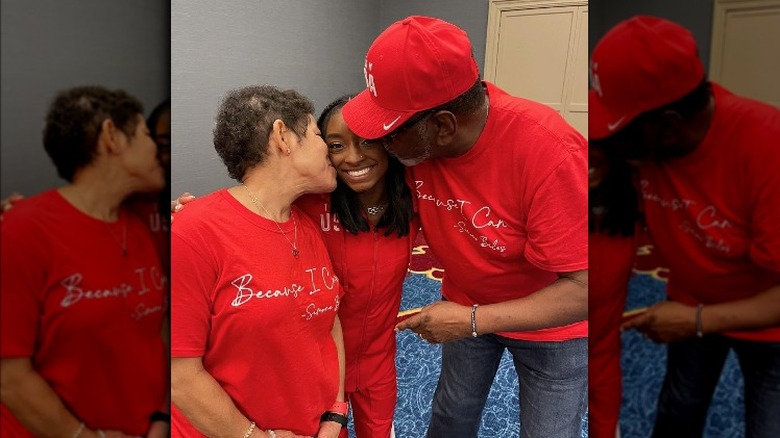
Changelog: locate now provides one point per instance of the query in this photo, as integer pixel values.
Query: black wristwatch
(160, 416)
(334, 416)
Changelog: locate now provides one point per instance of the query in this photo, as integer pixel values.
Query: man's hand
(178, 203)
(665, 322)
(442, 321)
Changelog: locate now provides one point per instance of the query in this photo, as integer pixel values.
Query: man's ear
(446, 127)
(109, 137)
(672, 128)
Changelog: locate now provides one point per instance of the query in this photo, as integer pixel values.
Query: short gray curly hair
(246, 116)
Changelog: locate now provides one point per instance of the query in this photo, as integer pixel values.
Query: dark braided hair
(345, 202)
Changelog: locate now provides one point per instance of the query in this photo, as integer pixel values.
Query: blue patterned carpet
(418, 365)
(643, 365)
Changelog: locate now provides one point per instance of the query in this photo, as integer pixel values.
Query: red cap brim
(602, 122)
(368, 120)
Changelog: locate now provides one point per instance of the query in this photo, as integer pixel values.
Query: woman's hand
(287, 434)
(9, 202)
(329, 429)
(159, 429)
(178, 203)
(89, 433)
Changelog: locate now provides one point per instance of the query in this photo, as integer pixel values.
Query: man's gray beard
(422, 136)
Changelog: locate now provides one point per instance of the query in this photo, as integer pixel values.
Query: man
(708, 163)
(501, 184)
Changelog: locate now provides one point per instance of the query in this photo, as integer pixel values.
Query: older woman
(257, 346)
(83, 294)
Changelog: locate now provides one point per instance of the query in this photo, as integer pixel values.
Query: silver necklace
(375, 210)
(123, 244)
(294, 242)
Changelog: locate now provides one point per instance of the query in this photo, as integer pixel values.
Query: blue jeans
(553, 386)
(693, 369)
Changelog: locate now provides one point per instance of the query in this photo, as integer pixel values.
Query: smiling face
(360, 164)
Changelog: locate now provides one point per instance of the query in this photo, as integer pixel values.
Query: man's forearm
(562, 302)
(757, 312)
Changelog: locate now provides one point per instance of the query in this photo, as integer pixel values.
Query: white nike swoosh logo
(386, 126)
(612, 126)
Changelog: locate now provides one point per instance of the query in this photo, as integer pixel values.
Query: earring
(288, 151)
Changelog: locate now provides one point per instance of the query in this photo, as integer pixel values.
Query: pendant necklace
(294, 242)
(375, 210)
(123, 243)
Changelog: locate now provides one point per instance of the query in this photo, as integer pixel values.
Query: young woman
(613, 219)
(369, 228)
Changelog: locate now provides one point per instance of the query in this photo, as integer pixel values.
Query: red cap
(641, 64)
(416, 64)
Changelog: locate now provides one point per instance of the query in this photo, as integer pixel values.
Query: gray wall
(315, 47)
(469, 15)
(51, 45)
(696, 15)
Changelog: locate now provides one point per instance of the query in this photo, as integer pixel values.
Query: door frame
(498, 7)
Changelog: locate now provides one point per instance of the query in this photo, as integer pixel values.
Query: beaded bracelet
(474, 320)
(249, 431)
(699, 330)
(79, 430)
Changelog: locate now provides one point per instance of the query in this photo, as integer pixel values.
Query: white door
(538, 49)
(745, 55)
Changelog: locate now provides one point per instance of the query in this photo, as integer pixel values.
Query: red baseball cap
(641, 64)
(416, 64)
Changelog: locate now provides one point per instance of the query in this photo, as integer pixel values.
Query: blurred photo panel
(84, 247)
(379, 223)
(684, 301)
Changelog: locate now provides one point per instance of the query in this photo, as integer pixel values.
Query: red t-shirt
(371, 268)
(611, 262)
(89, 318)
(260, 318)
(506, 216)
(147, 208)
(714, 214)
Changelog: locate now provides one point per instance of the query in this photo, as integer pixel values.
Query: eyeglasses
(388, 139)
